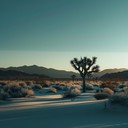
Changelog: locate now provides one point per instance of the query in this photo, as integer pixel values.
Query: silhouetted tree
(86, 67)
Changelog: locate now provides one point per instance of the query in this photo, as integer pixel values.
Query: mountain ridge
(13, 74)
(55, 73)
(34, 69)
(116, 76)
(112, 70)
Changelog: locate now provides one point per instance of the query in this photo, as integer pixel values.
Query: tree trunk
(84, 88)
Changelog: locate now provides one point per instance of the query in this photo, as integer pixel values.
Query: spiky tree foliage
(86, 67)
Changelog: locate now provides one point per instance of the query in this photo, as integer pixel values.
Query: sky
(50, 33)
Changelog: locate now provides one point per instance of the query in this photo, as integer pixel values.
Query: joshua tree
(86, 67)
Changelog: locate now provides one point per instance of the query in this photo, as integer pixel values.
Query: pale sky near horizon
(50, 33)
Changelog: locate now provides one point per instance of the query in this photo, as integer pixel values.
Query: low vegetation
(100, 96)
(36, 87)
(52, 90)
(15, 90)
(120, 98)
(103, 93)
(110, 85)
(116, 92)
(73, 91)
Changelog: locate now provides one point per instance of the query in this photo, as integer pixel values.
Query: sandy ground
(47, 100)
(66, 114)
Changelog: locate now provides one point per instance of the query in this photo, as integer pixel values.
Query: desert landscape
(61, 103)
(63, 64)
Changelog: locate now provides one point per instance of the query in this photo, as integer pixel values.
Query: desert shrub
(105, 93)
(72, 92)
(103, 85)
(108, 91)
(37, 87)
(44, 84)
(65, 88)
(26, 92)
(13, 90)
(58, 87)
(30, 93)
(29, 87)
(89, 87)
(125, 90)
(3, 83)
(100, 96)
(52, 90)
(3, 95)
(16, 91)
(121, 86)
(15, 94)
(38, 82)
(96, 88)
(78, 87)
(119, 99)
(16, 83)
(6, 88)
(23, 84)
(29, 83)
(110, 85)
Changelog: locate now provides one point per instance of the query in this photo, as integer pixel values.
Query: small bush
(108, 91)
(100, 96)
(3, 95)
(72, 92)
(23, 84)
(125, 90)
(52, 90)
(110, 85)
(119, 99)
(29, 83)
(30, 93)
(58, 87)
(44, 84)
(16, 91)
(64, 88)
(37, 87)
(3, 83)
(27, 93)
(89, 87)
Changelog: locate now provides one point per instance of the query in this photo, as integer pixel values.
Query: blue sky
(52, 32)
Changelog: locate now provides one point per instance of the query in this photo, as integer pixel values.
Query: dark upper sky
(64, 25)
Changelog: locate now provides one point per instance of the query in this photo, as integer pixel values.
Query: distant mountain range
(115, 76)
(34, 69)
(38, 71)
(12, 74)
(114, 70)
